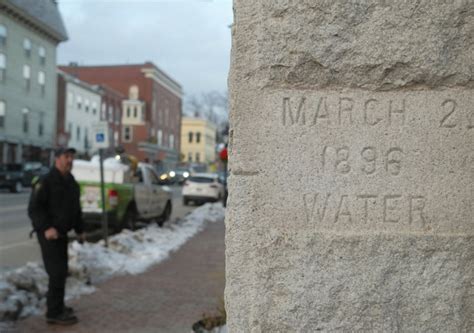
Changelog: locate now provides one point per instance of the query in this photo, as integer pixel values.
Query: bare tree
(193, 107)
(211, 106)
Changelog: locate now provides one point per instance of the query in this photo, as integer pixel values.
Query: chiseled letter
(322, 111)
(310, 204)
(366, 198)
(345, 108)
(288, 112)
(368, 106)
(417, 204)
(343, 209)
(390, 204)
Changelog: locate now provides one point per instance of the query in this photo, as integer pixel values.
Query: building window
(86, 139)
(26, 124)
(3, 35)
(128, 112)
(190, 137)
(2, 114)
(160, 137)
(27, 76)
(198, 158)
(41, 82)
(86, 105)
(42, 55)
(133, 92)
(118, 115)
(127, 134)
(79, 102)
(190, 157)
(171, 141)
(69, 129)
(111, 113)
(198, 137)
(160, 117)
(41, 124)
(135, 112)
(3, 67)
(94, 108)
(27, 47)
(78, 134)
(102, 112)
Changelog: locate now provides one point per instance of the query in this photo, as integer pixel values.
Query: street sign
(100, 140)
(100, 135)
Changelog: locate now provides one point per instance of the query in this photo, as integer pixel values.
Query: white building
(78, 110)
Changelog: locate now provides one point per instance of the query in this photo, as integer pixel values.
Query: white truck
(131, 193)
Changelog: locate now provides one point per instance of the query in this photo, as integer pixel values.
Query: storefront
(20, 153)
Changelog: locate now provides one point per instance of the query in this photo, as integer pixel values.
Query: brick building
(151, 114)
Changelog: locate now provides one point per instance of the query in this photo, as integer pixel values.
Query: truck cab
(151, 196)
(131, 194)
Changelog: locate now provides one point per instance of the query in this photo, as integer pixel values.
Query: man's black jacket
(55, 202)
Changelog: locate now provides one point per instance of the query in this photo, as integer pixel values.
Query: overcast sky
(188, 39)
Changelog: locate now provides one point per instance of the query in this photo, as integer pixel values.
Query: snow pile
(22, 291)
(133, 252)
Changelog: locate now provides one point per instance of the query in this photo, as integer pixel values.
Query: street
(16, 248)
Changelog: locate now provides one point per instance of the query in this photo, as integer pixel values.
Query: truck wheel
(17, 187)
(165, 216)
(129, 219)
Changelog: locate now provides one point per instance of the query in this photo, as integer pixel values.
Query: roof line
(34, 21)
(71, 78)
(143, 64)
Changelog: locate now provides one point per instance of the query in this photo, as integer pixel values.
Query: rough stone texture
(352, 167)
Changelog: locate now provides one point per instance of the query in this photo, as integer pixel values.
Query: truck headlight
(172, 174)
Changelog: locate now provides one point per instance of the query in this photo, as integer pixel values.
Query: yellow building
(198, 141)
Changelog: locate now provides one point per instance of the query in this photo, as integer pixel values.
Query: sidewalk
(169, 297)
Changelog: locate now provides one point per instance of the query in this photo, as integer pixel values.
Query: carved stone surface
(352, 167)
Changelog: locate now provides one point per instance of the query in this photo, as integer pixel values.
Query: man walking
(54, 210)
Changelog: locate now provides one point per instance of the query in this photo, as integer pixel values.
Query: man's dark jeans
(55, 259)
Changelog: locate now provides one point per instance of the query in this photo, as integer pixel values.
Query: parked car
(32, 170)
(12, 177)
(202, 187)
(198, 168)
(179, 175)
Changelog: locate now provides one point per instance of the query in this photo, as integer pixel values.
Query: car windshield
(201, 179)
(32, 166)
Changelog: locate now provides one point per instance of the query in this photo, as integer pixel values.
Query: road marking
(13, 208)
(9, 246)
